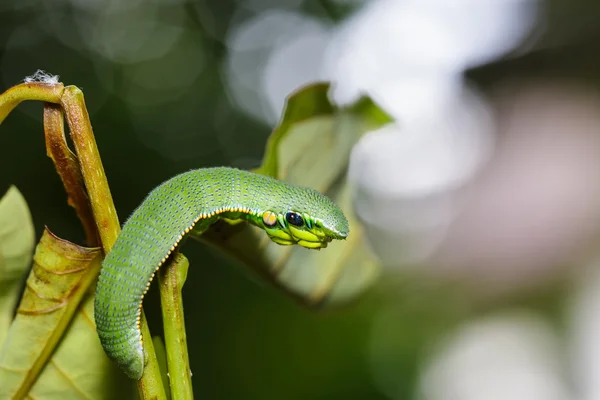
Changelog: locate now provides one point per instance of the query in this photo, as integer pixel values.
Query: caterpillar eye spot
(294, 218)
(269, 218)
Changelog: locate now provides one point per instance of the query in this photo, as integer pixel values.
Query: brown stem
(68, 168)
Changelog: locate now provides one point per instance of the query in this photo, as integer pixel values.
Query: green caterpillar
(188, 204)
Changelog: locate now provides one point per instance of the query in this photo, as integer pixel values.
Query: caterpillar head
(312, 222)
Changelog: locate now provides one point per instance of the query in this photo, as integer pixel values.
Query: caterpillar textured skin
(190, 203)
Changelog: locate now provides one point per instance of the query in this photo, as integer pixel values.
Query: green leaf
(31, 362)
(17, 238)
(311, 147)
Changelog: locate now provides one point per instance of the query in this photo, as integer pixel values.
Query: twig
(171, 279)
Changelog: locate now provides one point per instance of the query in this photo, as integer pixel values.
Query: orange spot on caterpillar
(269, 218)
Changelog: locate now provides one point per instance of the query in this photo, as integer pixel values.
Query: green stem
(171, 279)
(92, 170)
(161, 358)
(48, 92)
(150, 384)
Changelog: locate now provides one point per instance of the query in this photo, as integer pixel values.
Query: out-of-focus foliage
(16, 245)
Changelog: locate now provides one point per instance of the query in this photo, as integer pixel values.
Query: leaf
(311, 147)
(17, 238)
(77, 367)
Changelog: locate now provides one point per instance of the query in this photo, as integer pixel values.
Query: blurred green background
(162, 97)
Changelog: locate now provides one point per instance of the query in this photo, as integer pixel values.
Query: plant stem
(92, 170)
(150, 384)
(161, 358)
(171, 279)
(68, 168)
(47, 92)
